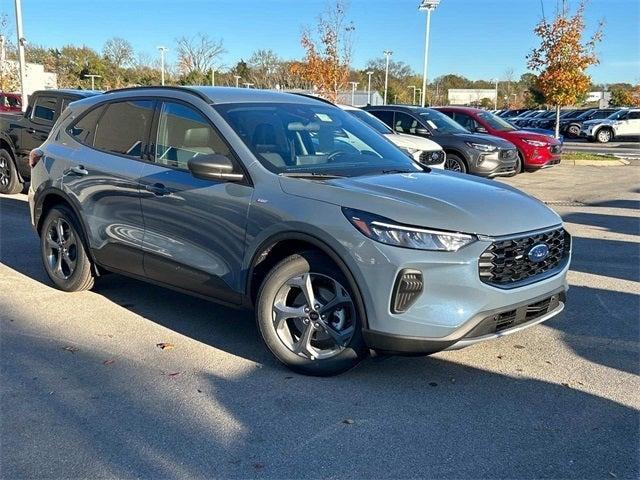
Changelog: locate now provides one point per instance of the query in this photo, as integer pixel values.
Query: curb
(597, 163)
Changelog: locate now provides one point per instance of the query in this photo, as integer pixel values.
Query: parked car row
(309, 214)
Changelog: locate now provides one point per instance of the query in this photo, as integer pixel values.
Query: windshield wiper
(317, 175)
(397, 170)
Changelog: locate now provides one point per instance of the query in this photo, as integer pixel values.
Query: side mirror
(213, 167)
(423, 132)
(480, 129)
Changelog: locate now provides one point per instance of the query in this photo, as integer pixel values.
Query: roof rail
(163, 87)
(308, 95)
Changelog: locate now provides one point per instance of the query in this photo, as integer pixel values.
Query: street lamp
(429, 6)
(414, 94)
(21, 43)
(237, 77)
(93, 80)
(369, 88)
(495, 100)
(419, 90)
(162, 50)
(353, 92)
(387, 53)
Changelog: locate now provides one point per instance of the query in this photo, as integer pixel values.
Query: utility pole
(369, 88)
(429, 6)
(21, 43)
(162, 50)
(93, 80)
(353, 92)
(237, 77)
(387, 53)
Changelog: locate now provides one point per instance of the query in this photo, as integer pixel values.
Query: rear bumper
(484, 326)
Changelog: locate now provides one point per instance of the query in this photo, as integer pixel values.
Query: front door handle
(31, 130)
(79, 170)
(158, 189)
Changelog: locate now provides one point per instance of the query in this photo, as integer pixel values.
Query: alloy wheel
(61, 249)
(604, 136)
(5, 172)
(453, 164)
(314, 316)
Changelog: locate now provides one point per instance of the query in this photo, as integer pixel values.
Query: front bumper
(542, 157)
(494, 164)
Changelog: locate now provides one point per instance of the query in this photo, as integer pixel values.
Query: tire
(455, 164)
(9, 179)
(282, 319)
(604, 135)
(519, 166)
(573, 130)
(66, 262)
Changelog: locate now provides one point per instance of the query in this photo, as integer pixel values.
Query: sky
(480, 39)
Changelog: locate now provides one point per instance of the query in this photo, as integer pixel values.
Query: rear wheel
(63, 252)
(308, 318)
(573, 130)
(604, 135)
(455, 163)
(9, 179)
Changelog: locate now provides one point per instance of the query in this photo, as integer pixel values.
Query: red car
(535, 150)
(10, 102)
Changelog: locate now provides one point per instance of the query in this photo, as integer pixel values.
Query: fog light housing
(407, 289)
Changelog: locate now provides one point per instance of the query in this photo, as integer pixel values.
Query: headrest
(197, 137)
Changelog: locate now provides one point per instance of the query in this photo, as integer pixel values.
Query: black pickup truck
(20, 133)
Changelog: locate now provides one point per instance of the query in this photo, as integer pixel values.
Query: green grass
(571, 156)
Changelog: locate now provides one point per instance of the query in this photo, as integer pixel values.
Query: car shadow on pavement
(68, 415)
(609, 258)
(609, 223)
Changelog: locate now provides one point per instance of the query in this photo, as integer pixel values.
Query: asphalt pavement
(87, 393)
(627, 149)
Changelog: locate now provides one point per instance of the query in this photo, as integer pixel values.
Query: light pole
(353, 92)
(515, 97)
(93, 80)
(387, 53)
(429, 6)
(419, 90)
(21, 43)
(237, 77)
(213, 77)
(414, 94)
(369, 88)
(162, 50)
(495, 100)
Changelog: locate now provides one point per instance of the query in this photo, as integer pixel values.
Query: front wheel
(573, 130)
(9, 179)
(604, 135)
(455, 164)
(308, 318)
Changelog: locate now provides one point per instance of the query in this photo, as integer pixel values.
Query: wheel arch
(458, 153)
(7, 144)
(281, 245)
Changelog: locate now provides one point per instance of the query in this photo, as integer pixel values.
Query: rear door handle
(158, 189)
(31, 130)
(79, 170)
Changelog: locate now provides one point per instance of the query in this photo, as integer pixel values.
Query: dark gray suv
(284, 204)
(479, 154)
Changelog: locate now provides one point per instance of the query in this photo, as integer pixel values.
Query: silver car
(294, 208)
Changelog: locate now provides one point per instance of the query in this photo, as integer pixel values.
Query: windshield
(378, 125)
(440, 123)
(496, 122)
(617, 115)
(585, 114)
(309, 139)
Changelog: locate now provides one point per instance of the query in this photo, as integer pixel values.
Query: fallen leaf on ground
(165, 346)
(109, 362)
(71, 349)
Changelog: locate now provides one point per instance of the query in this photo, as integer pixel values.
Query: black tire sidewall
(292, 266)
(82, 277)
(15, 185)
(460, 161)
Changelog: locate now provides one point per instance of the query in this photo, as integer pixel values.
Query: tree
(9, 74)
(562, 57)
(118, 51)
(198, 54)
(264, 67)
(622, 97)
(328, 53)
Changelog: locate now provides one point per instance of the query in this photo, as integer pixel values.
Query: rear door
(630, 126)
(194, 229)
(103, 174)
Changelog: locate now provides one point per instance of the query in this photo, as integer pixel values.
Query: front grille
(508, 154)
(432, 158)
(506, 263)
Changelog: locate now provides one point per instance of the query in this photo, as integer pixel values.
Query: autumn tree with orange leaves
(328, 53)
(563, 57)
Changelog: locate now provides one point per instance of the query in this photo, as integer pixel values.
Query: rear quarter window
(84, 129)
(123, 127)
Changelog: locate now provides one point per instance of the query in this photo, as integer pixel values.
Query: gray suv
(292, 207)
(479, 154)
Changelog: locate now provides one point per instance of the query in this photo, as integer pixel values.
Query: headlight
(412, 150)
(483, 147)
(386, 231)
(536, 143)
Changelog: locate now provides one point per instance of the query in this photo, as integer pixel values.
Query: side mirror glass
(213, 167)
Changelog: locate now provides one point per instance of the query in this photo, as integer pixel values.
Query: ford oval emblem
(538, 252)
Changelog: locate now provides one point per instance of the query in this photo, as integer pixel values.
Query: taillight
(34, 157)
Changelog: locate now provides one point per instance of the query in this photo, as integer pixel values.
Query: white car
(623, 123)
(424, 151)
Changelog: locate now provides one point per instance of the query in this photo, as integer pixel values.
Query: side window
(633, 116)
(386, 117)
(45, 109)
(405, 123)
(465, 120)
(84, 130)
(184, 133)
(123, 127)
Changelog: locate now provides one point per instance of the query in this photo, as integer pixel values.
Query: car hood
(411, 141)
(529, 135)
(438, 199)
(484, 138)
(599, 121)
